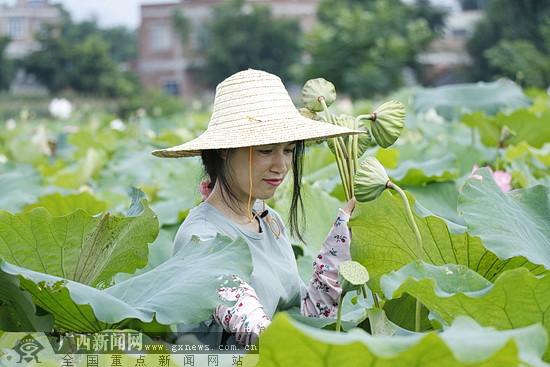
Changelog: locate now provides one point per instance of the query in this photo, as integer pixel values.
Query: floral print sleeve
(246, 318)
(323, 291)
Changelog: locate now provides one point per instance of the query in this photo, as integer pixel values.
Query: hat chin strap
(251, 218)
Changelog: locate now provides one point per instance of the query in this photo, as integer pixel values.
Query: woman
(255, 136)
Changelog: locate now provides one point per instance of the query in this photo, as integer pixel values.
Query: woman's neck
(239, 214)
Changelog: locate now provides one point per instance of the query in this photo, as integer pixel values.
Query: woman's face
(269, 162)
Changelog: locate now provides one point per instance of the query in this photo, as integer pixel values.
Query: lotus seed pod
(312, 116)
(387, 122)
(314, 89)
(344, 120)
(309, 114)
(352, 275)
(370, 180)
(506, 134)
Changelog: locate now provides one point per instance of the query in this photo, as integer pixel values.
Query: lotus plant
(381, 127)
(365, 181)
(60, 108)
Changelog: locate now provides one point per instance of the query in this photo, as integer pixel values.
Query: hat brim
(238, 135)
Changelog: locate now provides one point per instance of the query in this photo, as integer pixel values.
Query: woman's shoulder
(198, 223)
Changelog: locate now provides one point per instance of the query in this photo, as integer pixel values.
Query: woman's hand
(350, 205)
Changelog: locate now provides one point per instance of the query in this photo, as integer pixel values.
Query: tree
(473, 4)
(82, 57)
(513, 40)
(7, 68)
(243, 36)
(182, 26)
(363, 46)
(522, 61)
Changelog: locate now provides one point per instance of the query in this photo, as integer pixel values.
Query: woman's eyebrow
(271, 146)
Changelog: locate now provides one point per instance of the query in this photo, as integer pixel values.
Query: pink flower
(503, 179)
(204, 189)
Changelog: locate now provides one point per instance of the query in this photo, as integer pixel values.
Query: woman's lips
(274, 182)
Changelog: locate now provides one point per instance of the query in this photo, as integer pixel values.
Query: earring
(269, 219)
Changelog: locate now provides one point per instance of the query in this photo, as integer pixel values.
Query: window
(460, 33)
(159, 37)
(15, 27)
(172, 88)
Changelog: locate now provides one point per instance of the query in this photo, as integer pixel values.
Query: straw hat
(252, 107)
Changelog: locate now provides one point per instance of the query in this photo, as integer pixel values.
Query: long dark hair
(216, 169)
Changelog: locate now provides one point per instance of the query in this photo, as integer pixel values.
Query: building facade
(163, 60)
(21, 21)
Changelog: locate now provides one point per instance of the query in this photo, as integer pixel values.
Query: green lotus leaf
(162, 178)
(78, 246)
(59, 205)
(516, 299)
(352, 315)
(440, 199)
(451, 101)
(78, 173)
(516, 223)
(383, 242)
(289, 343)
(527, 126)
(17, 311)
(411, 173)
(19, 185)
(79, 307)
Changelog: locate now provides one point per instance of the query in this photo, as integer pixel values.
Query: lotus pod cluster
(365, 180)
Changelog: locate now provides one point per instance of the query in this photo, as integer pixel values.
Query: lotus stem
(343, 154)
(419, 249)
(356, 147)
(351, 164)
(417, 310)
(339, 314)
(375, 299)
(341, 169)
(410, 217)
